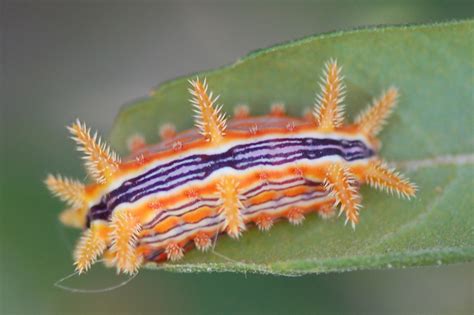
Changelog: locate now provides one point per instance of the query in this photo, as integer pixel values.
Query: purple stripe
(197, 173)
(254, 191)
(180, 172)
(309, 196)
(165, 214)
(182, 231)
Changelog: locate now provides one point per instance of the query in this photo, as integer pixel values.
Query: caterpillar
(224, 175)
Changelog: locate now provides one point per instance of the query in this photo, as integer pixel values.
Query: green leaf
(429, 137)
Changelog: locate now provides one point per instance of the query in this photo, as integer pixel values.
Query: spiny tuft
(100, 161)
(231, 206)
(125, 228)
(328, 109)
(342, 186)
(371, 121)
(174, 252)
(91, 245)
(209, 118)
(68, 190)
(380, 176)
(202, 241)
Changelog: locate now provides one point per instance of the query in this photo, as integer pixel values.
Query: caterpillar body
(223, 176)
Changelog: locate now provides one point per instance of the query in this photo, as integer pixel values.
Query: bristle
(295, 216)
(174, 252)
(74, 217)
(210, 121)
(277, 109)
(380, 176)
(167, 131)
(342, 186)
(231, 206)
(327, 212)
(264, 222)
(329, 111)
(108, 258)
(101, 162)
(290, 126)
(73, 193)
(263, 177)
(91, 245)
(192, 194)
(241, 111)
(177, 146)
(125, 228)
(70, 191)
(202, 241)
(253, 130)
(136, 142)
(371, 121)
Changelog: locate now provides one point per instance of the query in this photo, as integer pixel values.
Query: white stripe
(193, 227)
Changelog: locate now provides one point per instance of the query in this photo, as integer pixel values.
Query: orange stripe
(198, 214)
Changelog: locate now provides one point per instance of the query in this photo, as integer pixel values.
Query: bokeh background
(66, 59)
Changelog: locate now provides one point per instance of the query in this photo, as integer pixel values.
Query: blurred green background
(62, 60)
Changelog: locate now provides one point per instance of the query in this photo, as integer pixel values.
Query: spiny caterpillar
(223, 175)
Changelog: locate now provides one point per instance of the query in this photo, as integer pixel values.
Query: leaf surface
(429, 137)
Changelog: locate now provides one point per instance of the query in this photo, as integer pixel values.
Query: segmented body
(222, 177)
